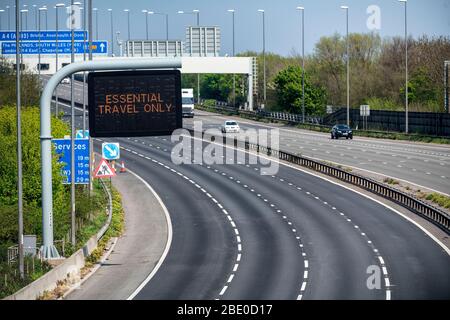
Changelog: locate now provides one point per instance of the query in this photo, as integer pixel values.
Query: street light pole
(1, 11)
(406, 68)
(232, 11)
(112, 32)
(19, 145)
(39, 41)
(35, 16)
(145, 12)
(167, 21)
(264, 57)
(128, 40)
(96, 22)
(9, 17)
(302, 9)
(58, 5)
(348, 68)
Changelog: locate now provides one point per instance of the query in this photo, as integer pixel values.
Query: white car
(230, 127)
(65, 81)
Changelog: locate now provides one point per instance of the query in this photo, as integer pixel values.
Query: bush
(31, 176)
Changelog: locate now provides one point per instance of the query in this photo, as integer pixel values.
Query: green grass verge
(439, 199)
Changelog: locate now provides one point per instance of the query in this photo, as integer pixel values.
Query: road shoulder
(137, 251)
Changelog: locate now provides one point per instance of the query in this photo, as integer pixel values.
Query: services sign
(62, 148)
(134, 103)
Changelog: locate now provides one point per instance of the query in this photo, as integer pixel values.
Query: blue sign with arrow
(82, 172)
(82, 134)
(47, 47)
(110, 151)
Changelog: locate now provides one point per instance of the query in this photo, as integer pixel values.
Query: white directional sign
(364, 111)
(104, 170)
(110, 151)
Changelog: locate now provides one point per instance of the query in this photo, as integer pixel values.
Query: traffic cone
(123, 167)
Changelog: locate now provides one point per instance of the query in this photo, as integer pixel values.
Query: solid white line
(168, 243)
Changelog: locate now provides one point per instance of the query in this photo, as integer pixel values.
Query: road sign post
(48, 250)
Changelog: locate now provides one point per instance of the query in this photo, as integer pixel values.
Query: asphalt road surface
(238, 234)
(425, 165)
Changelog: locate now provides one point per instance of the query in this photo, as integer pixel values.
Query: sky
(283, 21)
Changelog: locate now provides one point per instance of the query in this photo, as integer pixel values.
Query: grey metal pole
(48, 250)
(84, 59)
(146, 23)
(9, 17)
(56, 53)
(72, 134)
(96, 24)
(167, 26)
(112, 33)
(128, 27)
(348, 67)
(90, 27)
(1, 11)
(303, 65)
(348, 77)
(35, 16)
(264, 56)
(234, 53)
(406, 70)
(19, 144)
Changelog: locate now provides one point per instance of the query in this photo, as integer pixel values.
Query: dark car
(341, 130)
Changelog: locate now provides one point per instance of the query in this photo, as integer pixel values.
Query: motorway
(238, 234)
(424, 165)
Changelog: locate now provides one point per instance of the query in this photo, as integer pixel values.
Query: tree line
(377, 75)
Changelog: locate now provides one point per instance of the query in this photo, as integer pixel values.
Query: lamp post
(95, 10)
(35, 16)
(197, 13)
(232, 11)
(264, 56)
(57, 6)
(128, 39)
(26, 16)
(167, 21)
(302, 9)
(24, 12)
(145, 12)
(112, 32)
(9, 17)
(39, 40)
(348, 67)
(19, 146)
(405, 2)
(1, 11)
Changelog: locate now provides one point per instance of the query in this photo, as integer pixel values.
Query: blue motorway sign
(44, 35)
(64, 47)
(82, 134)
(110, 151)
(62, 147)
